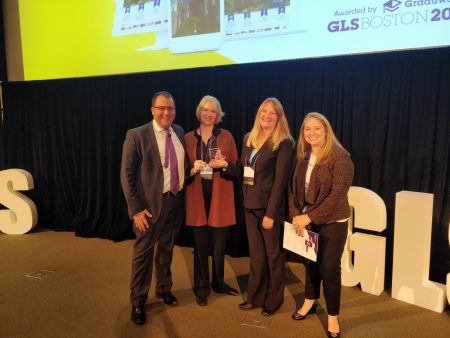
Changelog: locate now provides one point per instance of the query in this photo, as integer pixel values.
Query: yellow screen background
(65, 39)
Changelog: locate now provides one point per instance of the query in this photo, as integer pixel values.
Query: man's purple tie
(170, 155)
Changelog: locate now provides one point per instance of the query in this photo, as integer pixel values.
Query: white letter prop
(412, 243)
(448, 275)
(22, 216)
(369, 212)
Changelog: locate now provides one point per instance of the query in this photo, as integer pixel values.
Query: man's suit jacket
(272, 169)
(141, 172)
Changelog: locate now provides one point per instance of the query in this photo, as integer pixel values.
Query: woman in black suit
(267, 158)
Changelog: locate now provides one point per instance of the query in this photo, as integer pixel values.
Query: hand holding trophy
(198, 166)
(217, 159)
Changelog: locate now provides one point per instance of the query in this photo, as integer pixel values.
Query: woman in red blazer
(210, 208)
(267, 155)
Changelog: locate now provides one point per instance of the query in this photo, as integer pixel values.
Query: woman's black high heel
(298, 316)
(334, 334)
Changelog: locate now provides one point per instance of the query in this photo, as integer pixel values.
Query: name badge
(206, 173)
(249, 176)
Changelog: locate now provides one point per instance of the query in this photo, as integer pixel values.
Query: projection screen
(82, 38)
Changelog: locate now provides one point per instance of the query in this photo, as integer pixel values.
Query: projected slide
(105, 37)
(139, 16)
(259, 18)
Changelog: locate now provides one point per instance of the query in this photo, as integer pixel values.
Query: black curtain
(3, 75)
(390, 110)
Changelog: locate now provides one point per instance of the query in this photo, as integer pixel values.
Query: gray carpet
(55, 284)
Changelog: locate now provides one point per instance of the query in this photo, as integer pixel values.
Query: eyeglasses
(164, 108)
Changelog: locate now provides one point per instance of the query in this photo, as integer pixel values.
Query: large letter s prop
(21, 215)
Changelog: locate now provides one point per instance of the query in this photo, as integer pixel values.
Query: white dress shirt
(160, 134)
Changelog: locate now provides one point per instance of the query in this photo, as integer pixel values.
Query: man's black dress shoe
(201, 300)
(167, 297)
(246, 306)
(298, 316)
(138, 315)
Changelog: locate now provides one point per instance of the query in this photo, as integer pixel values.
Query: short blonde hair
(304, 148)
(210, 99)
(281, 131)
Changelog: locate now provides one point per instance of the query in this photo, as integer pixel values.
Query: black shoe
(298, 316)
(167, 297)
(201, 300)
(246, 306)
(232, 292)
(227, 289)
(138, 315)
(334, 334)
(268, 313)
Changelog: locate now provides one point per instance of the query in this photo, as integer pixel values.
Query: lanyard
(208, 144)
(255, 158)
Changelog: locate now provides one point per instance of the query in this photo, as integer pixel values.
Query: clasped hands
(300, 222)
(216, 163)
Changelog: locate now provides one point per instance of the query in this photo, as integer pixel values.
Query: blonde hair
(281, 131)
(331, 141)
(210, 99)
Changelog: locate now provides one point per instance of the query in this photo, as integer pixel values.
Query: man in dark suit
(152, 176)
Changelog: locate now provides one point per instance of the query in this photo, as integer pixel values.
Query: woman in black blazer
(267, 158)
